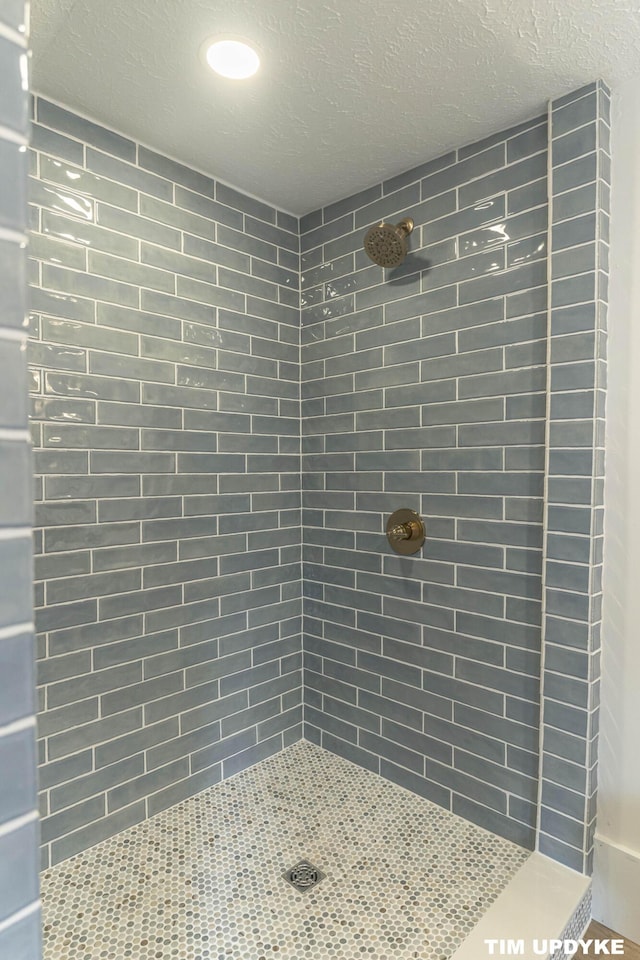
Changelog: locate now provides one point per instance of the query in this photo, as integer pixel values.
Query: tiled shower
(228, 402)
(166, 408)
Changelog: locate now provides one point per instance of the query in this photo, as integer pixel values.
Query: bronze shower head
(386, 245)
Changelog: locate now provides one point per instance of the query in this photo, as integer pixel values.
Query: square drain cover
(303, 876)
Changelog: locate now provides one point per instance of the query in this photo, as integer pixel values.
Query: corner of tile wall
(432, 385)
(432, 680)
(425, 388)
(165, 411)
(579, 226)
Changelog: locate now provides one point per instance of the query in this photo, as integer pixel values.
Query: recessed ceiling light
(232, 58)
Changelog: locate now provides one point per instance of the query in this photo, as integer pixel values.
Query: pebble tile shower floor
(204, 880)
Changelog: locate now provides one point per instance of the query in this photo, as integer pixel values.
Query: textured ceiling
(350, 92)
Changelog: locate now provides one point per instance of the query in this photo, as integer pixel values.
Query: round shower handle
(406, 531)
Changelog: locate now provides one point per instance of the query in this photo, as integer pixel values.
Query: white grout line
(15, 533)
(13, 236)
(18, 726)
(19, 336)
(16, 630)
(23, 436)
(368, 308)
(545, 528)
(21, 915)
(18, 823)
(14, 36)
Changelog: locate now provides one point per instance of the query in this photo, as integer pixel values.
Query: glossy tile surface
(426, 386)
(203, 880)
(574, 508)
(165, 416)
(19, 907)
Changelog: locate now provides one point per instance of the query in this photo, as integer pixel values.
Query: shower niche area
(236, 671)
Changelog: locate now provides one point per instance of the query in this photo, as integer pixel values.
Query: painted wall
(426, 388)
(19, 907)
(165, 406)
(617, 870)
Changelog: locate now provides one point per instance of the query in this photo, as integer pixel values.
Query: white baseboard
(616, 888)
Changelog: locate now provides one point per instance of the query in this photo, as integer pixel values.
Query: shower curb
(544, 901)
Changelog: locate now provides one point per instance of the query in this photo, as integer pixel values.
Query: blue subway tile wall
(167, 327)
(165, 411)
(19, 889)
(425, 387)
(579, 224)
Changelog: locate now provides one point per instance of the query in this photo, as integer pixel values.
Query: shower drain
(303, 876)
